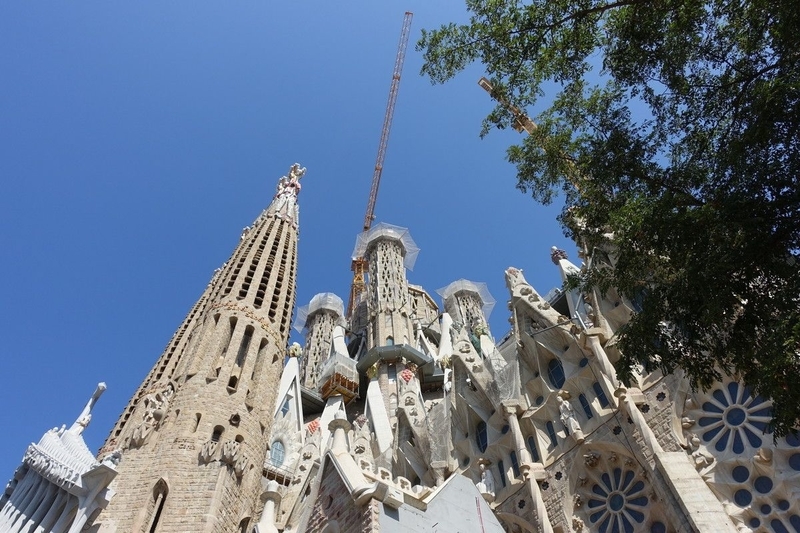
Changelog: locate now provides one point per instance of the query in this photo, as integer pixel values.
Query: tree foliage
(671, 128)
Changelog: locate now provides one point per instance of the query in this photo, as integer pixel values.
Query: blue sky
(138, 138)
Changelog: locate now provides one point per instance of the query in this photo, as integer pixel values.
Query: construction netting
(578, 308)
(341, 366)
(505, 383)
(323, 300)
(487, 302)
(384, 230)
(438, 419)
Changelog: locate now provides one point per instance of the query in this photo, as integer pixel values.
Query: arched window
(389, 341)
(532, 447)
(501, 467)
(156, 505)
(277, 453)
(601, 396)
(551, 432)
(586, 407)
(514, 463)
(555, 372)
(217, 434)
(481, 437)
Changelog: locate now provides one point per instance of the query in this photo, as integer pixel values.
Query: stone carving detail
(207, 451)
(577, 500)
(230, 452)
(240, 466)
(591, 459)
(155, 407)
(407, 375)
(113, 459)
(556, 255)
(486, 484)
(569, 420)
(284, 204)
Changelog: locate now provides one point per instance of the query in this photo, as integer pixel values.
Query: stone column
(510, 409)
(272, 498)
(599, 360)
(527, 467)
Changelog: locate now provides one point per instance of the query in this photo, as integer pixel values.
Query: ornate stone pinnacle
(557, 254)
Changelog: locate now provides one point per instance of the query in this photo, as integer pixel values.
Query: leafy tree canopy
(671, 128)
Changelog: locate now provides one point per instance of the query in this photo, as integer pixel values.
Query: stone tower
(193, 437)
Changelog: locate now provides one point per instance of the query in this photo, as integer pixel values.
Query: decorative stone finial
(86, 415)
(295, 350)
(290, 184)
(557, 254)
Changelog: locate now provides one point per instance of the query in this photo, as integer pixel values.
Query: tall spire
(202, 415)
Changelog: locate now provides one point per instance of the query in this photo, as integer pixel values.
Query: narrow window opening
(551, 432)
(586, 407)
(502, 469)
(197, 418)
(481, 436)
(156, 505)
(555, 371)
(514, 463)
(217, 434)
(244, 346)
(533, 449)
(601, 396)
(286, 406)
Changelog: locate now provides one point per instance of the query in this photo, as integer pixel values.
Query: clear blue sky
(138, 138)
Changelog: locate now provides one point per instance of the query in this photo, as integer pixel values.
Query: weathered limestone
(192, 460)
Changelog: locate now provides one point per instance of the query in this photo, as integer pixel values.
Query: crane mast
(359, 264)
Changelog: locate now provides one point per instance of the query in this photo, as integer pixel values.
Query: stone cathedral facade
(409, 415)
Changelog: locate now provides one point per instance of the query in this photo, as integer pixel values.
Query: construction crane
(521, 120)
(523, 123)
(359, 264)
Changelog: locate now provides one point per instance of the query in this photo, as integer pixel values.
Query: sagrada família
(404, 415)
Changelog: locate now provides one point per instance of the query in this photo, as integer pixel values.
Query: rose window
(732, 416)
(617, 502)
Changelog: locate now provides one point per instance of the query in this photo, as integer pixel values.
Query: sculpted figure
(569, 420)
(486, 484)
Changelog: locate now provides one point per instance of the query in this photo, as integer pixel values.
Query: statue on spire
(284, 204)
(290, 185)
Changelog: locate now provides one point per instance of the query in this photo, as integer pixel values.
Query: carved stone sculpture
(591, 459)
(486, 484)
(207, 451)
(155, 407)
(569, 420)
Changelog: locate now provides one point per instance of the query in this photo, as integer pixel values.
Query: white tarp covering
(323, 300)
(339, 364)
(388, 231)
(465, 285)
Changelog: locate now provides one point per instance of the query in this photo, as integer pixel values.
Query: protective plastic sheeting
(388, 231)
(471, 286)
(323, 300)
